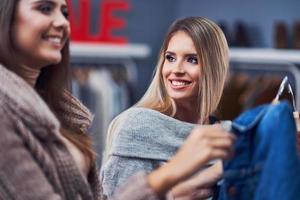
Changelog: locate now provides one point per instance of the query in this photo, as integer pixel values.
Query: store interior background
(146, 22)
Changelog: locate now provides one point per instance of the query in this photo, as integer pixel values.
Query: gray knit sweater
(144, 140)
(35, 164)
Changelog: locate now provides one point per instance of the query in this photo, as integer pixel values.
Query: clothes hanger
(282, 86)
(280, 90)
(295, 112)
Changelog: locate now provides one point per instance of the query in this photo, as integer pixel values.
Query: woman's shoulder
(138, 131)
(6, 85)
(138, 114)
(22, 101)
(141, 116)
(135, 119)
(17, 98)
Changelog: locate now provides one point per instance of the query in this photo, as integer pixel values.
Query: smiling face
(41, 29)
(181, 69)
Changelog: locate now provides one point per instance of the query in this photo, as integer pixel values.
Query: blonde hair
(212, 50)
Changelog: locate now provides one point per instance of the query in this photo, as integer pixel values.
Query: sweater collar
(148, 134)
(24, 102)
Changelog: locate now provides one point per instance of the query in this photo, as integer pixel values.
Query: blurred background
(115, 45)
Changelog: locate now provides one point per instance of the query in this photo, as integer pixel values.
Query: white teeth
(54, 40)
(179, 83)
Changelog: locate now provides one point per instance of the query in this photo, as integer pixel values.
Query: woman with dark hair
(46, 153)
(45, 149)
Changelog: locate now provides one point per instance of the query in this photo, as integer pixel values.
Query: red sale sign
(108, 22)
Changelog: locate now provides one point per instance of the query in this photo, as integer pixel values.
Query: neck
(29, 74)
(187, 113)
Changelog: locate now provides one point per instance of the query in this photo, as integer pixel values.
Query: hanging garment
(266, 165)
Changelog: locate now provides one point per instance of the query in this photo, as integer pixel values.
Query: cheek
(16, 33)
(196, 75)
(25, 32)
(20, 40)
(164, 73)
(166, 70)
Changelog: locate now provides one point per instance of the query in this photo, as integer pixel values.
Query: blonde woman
(45, 149)
(186, 89)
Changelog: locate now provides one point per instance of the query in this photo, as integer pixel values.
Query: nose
(60, 21)
(178, 68)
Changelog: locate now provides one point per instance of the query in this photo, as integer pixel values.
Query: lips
(179, 83)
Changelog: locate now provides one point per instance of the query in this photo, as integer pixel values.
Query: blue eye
(170, 58)
(192, 59)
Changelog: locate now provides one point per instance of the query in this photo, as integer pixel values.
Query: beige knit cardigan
(34, 162)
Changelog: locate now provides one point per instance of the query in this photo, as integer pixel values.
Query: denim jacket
(266, 165)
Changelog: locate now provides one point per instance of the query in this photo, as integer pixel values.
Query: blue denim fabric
(266, 165)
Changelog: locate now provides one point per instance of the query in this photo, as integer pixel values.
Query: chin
(56, 61)
(53, 60)
(179, 98)
(179, 95)
(183, 98)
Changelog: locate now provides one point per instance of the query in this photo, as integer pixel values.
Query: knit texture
(74, 114)
(35, 163)
(140, 189)
(144, 139)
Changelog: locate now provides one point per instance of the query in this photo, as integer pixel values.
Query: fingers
(209, 177)
(222, 147)
(202, 194)
(225, 142)
(215, 141)
(213, 131)
(198, 194)
(205, 143)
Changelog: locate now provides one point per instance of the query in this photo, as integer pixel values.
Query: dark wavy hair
(53, 79)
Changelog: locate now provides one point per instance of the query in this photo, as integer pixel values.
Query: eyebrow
(187, 55)
(170, 52)
(48, 1)
(191, 54)
(40, 1)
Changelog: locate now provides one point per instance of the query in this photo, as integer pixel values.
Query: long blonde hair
(212, 49)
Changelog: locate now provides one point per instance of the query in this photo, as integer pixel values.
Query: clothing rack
(283, 69)
(252, 77)
(108, 77)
